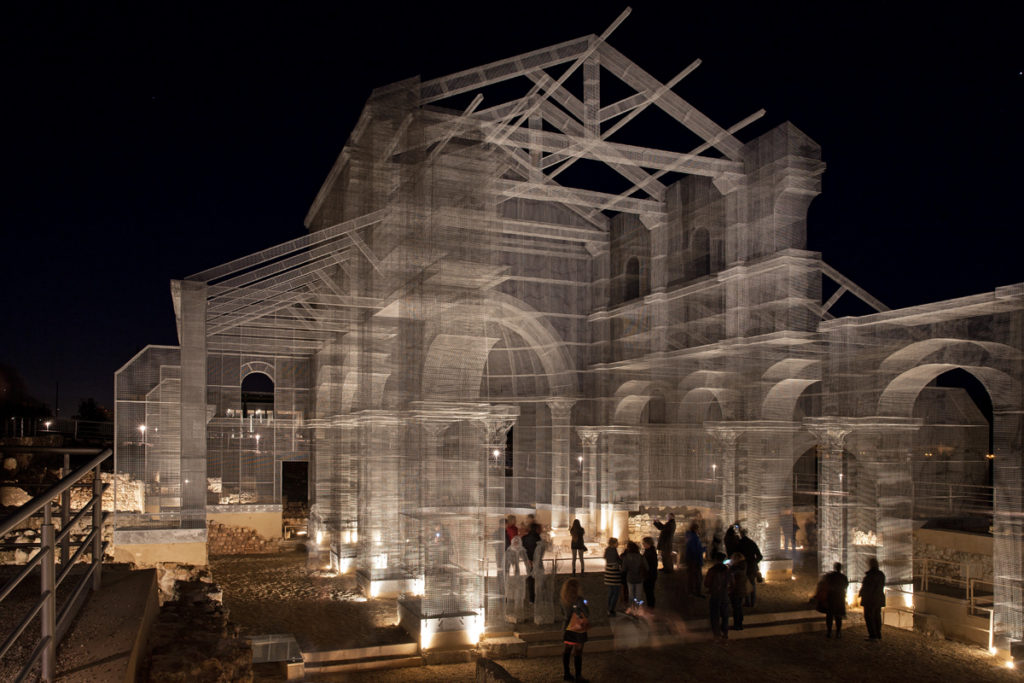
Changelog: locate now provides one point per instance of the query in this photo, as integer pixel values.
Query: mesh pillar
(1008, 541)
(589, 438)
(193, 404)
(726, 439)
(561, 461)
(831, 494)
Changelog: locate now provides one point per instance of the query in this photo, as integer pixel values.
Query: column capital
(588, 435)
(435, 429)
(497, 423)
(829, 432)
(725, 434)
(560, 407)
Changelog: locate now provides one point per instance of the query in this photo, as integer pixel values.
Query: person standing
(576, 532)
(694, 559)
(834, 584)
(739, 590)
(718, 583)
(872, 598)
(651, 556)
(530, 541)
(543, 609)
(667, 533)
(511, 530)
(751, 556)
(574, 634)
(612, 574)
(732, 539)
(634, 567)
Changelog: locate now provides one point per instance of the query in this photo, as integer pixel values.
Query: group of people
(523, 567)
(830, 597)
(730, 584)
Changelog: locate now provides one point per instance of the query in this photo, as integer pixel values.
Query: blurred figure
(740, 588)
(543, 609)
(530, 541)
(833, 588)
(694, 559)
(612, 574)
(789, 529)
(752, 556)
(651, 557)
(667, 533)
(718, 583)
(576, 531)
(732, 539)
(511, 530)
(634, 567)
(872, 599)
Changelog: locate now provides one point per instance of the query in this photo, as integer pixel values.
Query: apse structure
(500, 307)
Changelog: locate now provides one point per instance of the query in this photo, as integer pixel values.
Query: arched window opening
(258, 397)
(952, 471)
(631, 280)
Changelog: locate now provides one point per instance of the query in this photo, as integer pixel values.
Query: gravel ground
(277, 594)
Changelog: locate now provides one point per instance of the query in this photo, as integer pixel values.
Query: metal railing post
(48, 590)
(65, 514)
(97, 524)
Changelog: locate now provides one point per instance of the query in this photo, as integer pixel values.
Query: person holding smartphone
(577, 623)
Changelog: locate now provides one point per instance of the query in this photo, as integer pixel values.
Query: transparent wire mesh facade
(461, 335)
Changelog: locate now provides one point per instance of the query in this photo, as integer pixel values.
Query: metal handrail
(53, 626)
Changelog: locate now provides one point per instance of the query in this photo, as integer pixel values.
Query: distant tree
(15, 401)
(91, 411)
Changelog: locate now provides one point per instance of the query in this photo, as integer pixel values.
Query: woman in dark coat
(872, 599)
(834, 584)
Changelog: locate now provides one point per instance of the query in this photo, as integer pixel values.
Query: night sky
(145, 144)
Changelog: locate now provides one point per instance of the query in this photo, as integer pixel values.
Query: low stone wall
(228, 539)
(193, 640)
(953, 556)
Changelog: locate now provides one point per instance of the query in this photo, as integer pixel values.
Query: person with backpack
(740, 588)
(718, 582)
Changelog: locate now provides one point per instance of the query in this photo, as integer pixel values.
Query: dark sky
(144, 144)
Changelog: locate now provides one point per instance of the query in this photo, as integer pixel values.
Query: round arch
(949, 350)
(697, 404)
(507, 311)
(256, 366)
(899, 396)
(780, 402)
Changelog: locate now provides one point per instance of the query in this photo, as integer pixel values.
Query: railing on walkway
(53, 626)
(980, 603)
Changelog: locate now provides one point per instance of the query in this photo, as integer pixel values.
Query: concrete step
(376, 663)
(394, 656)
